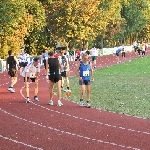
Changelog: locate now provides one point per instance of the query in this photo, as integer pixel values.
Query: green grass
(123, 88)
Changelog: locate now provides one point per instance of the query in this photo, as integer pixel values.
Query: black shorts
(54, 77)
(23, 64)
(77, 58)
(32, 79)
(12, 72)
(65, 74)
(117, 54)
(84, 82)
(44, 62)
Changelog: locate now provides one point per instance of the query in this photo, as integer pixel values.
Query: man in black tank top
(12, 69)
(54, 67)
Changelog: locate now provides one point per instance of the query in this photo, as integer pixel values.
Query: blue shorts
(84, 82)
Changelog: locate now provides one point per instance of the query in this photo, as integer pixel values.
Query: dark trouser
(143, 53)
(123, 54)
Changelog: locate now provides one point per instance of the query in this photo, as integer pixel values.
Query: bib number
(86, 73)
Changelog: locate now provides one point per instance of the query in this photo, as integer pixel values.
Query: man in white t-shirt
(23, 60)
(94, 53)
(65, 69)
(31, 71)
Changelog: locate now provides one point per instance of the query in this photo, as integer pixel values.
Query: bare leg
(58, 84)
(13, 81)
(36, 87)
(82, 91)
(27, 88)
(51, 87)
(88, 88)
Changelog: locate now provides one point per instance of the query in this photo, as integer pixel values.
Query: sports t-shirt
(23, 57)
(71, 52)
(94, 52)
(56, 55)
(11, 62)
(84, 70)
(53, 66)
(118, 50)
(64, 62)
(77, 53)
(31, 70)
(45, 56)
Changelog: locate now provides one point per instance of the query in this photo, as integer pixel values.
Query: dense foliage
(41, 24)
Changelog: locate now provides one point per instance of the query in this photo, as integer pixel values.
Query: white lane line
(18, 142)
(88, 120)
(69, 133)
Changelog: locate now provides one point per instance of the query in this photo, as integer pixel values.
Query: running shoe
(88, 105)
(12, 90)
(81, 103)
(27, 100)
(36, 98)
(59, 103)
(50, 102)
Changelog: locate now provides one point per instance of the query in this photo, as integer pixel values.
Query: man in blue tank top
(85, 72)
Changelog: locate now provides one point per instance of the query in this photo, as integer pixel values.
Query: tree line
(41, 24)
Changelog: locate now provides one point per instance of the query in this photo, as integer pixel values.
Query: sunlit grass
(123, 88)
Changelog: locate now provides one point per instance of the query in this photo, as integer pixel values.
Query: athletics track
(70, 127)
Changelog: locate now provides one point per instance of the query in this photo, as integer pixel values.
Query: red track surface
(70, 127)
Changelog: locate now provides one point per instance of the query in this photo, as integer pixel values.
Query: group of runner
(140, 47)
(56, 71)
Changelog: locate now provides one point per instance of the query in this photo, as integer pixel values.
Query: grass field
(123, 88)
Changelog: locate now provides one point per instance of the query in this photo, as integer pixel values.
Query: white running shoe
(81, 103)
(36, 98)
(12, 90)
(27, 100)
(50, 102)
(9, 89)
(88, 105)
(59, 103)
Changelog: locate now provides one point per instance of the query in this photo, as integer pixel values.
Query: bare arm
(91, 69)
(47, 66)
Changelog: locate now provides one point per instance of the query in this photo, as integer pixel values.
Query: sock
(81, 100)
(87, 101)
(67, 88)
(35, 96)
(27, 97)
(61, 86)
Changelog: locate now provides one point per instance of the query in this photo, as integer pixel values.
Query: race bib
(86, 73)
(32, 75)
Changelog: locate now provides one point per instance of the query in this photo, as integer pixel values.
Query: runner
(45, 57)
(23, 60)
(123, 51)
(54, 76)
(12, 70)
(94, 53)
(65, 69)
(143, 49)
(117, 53)
(71, 55)
(31, 72)
(77, 56)
(83, 72)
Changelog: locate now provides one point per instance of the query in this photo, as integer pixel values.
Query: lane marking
(69, 133)
(18, 142)
(88, 120)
